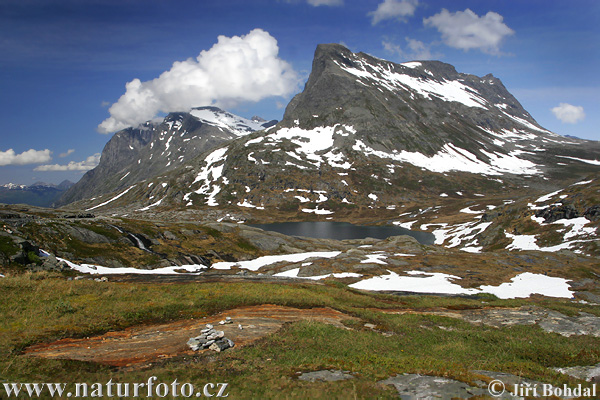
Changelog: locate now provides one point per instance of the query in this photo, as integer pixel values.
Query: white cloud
(569, 113)
(466, 30)
(31, 156)
(417, 50)
(235, 70)
(67, 153)
(89, 163)
(317, 3)
(393, 9)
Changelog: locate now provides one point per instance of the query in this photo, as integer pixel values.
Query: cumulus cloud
(235, 70)
(67, 153)
(416, 49)
(466, 30)
(89, 163)
(317, 3)
(31, 156)
(568, 113)
(393, 9)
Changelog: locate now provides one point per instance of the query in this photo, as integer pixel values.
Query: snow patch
(521, 286)
(260, 262)
(111, 200)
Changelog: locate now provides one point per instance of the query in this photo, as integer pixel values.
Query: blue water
(343, 230)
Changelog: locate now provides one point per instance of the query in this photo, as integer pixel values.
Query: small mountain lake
(343, 230)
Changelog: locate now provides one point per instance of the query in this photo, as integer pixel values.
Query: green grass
(44, 307)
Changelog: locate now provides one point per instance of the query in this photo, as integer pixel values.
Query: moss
(8, 247)
(245, 245)
(109, 233)
(212, 232)
(34, 258)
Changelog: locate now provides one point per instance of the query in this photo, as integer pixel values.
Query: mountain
(370, 132)
(135, 154)
(38, 194)
(368, 137)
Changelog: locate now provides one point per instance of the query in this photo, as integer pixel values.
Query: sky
(72, 72)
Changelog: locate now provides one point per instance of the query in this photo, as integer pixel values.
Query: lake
(343, 230)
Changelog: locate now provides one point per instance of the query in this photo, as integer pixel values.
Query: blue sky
(64, 63)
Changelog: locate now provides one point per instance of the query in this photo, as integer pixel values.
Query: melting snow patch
(405, 225)
(583, 182)
(526, 284)
(310, 142)
(97, 269)
(293, 273)
(521, 286)
(392, 81)
(260, 262)
(547, 197)
(583, 160)
(209, 174)
(246, 203)
(424, 283)
(151, 205)
(111, 200)
(528, 242)
(468, 210)
(375, 259)
(453, 158)
(456, 234)
(317, 211)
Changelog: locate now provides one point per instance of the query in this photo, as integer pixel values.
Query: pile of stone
(211, 339)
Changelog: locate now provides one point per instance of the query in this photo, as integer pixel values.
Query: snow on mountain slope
(382, 76)
(238, 125)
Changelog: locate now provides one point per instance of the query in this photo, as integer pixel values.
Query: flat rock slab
(150, 343)
(325, 375)
(548, 320)
(423, 387)
(587, 373)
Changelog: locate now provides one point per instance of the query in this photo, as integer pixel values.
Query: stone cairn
(212, 339)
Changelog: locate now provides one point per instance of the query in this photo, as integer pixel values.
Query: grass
(43, 307)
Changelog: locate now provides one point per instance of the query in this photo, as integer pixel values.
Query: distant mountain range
(39, 194)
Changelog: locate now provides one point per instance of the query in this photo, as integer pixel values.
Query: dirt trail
(150, 343)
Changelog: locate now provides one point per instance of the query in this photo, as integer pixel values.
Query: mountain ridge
(135, 154)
